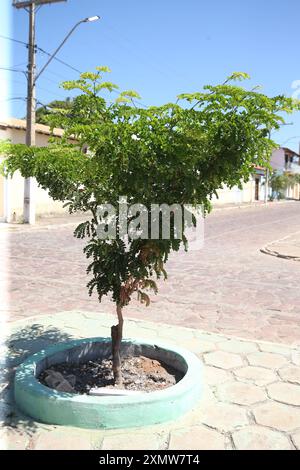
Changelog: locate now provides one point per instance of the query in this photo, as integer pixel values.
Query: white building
(287, 161)
(12, 189)
(252, 191)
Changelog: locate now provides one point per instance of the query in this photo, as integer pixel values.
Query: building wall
(12, 190)
(293, 192)
(238, 196)
(279, 165)
(277, 160)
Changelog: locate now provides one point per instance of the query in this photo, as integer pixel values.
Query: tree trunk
(116, 339)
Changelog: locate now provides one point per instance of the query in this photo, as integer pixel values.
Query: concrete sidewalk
(251, 399)
(287, 248)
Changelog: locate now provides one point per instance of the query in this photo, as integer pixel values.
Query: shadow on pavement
(18, 346)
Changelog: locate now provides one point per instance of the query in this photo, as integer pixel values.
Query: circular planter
(53, 407)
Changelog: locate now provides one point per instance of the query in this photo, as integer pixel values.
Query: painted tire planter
(49, 406)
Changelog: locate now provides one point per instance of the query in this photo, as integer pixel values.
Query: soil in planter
(139, 373)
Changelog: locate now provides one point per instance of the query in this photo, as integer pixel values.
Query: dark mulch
(139, 373)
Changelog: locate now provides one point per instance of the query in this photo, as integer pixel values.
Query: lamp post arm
(57, 50)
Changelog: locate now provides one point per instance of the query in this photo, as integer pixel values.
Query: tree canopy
(44, 112)
(180, 152)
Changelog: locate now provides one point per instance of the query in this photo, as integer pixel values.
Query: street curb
(268, 251)
(251, 205)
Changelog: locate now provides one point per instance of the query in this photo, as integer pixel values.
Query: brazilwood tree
(180, 152)
(56, 106)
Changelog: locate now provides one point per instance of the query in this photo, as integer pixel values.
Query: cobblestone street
(228, 287)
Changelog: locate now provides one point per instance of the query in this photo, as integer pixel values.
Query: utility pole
(267, 179)
(29, 183)
(30, 6)
(267, 186)
(267, 182)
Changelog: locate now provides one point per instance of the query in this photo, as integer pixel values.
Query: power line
(14, 40)
(11, 69)
(48, 80)
(16, 98)
(41, 50)
(50, 92)
(57, 74)
(19, 65)
(58, 60)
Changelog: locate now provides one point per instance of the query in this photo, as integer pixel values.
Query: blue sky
(163, 48)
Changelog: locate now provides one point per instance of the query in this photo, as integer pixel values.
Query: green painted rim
(52, 407)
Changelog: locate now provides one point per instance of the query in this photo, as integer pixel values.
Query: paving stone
(175, 333)
(296, 357)
(215, 376)
(258, 375)
(237, 346)
(197, 438)
(223, 416)
(85, 331)
(13, 440)
(266, 359)
(259, 438)
(101, 317)
(285, 393)
(194, 416)
(296, 440)
(191, 418)
(277, 416)
(223, 359)
(134, 441)
(207, 395)
(241, 393)
(66, 439)
(290, 374)
(141, 333)
(198, 346)
(275, 348)
(206, 336)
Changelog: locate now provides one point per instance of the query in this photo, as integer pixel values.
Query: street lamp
(92, 18)
(288, 140)
(28, 3)
(86, 20)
